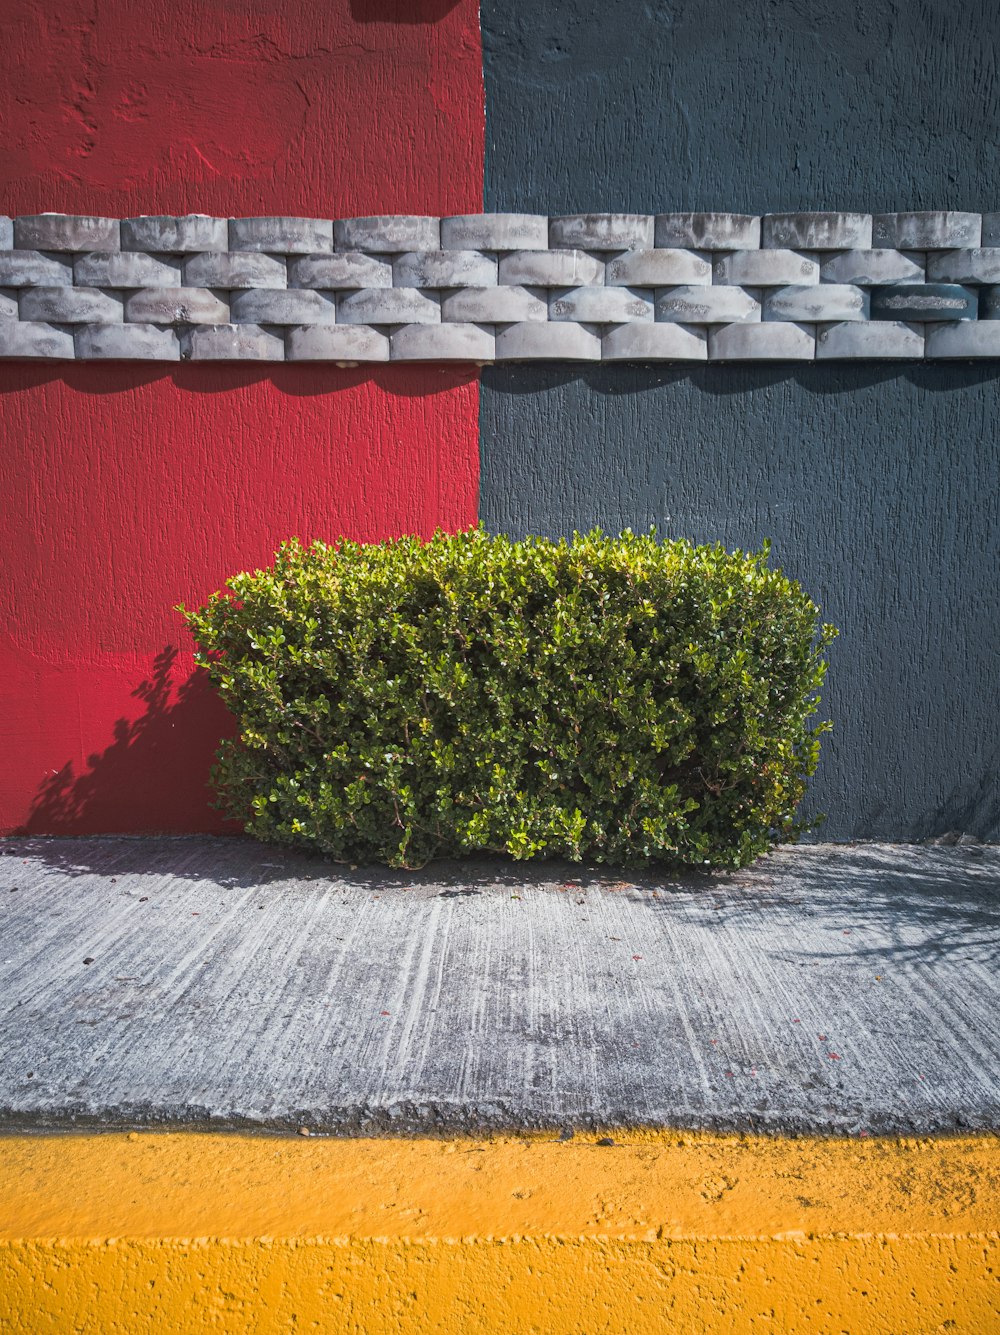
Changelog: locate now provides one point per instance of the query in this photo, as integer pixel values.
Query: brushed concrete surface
(216, 982)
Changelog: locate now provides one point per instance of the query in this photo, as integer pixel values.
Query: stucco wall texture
(878, 486)
(128, 490)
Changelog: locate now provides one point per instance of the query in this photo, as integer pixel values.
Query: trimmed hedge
(611, 699)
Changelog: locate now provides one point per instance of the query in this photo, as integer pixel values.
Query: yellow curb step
(657, 1232)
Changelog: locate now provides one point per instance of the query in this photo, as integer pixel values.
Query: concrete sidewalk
(218, 983)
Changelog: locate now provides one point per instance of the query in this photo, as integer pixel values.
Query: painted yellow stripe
(188, 1232)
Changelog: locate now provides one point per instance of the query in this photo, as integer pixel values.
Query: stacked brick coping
(674, 287)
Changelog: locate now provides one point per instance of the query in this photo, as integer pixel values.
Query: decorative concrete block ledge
(670, 287)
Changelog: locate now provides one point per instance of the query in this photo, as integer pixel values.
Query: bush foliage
(610, 699)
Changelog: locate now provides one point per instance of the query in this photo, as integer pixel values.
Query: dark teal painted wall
(878, 485)
(657, 105)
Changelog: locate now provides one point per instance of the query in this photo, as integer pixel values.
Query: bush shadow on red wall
(158, 762)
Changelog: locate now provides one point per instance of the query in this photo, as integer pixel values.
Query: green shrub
(614, 699)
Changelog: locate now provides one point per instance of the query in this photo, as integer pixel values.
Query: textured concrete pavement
(219, 983)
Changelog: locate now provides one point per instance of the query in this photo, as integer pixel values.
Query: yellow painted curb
(656, 1233)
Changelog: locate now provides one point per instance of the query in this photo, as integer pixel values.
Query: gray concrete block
(657, 268)
(976, 265)
(495, 305)
(914, 302)
(6, 233)
(396, 305)
(601, 305)
(123, 268)
(231, 343)
(708, 231)
(127, 342)
(8, 303)
(495, 231)
(387, 234)
(164, 234)
(706, 305)
(816, 301)
(70, 305)
(766, 268)
(874, 340)
(26, 340)
(274, 306)
(344, 270)
(817, 231)
(62, 231)
(336, 343)
(936, 230)
(551, 268)
(30, 268)
(443, 343)
(979, 338)
(762, 343)
(871, 268)
(283, 236)
(602, 231)
(534, 341)
(991, 229)
(640, 342)
(989, 303)
(444, 268)
(238, 269)
(176, 305)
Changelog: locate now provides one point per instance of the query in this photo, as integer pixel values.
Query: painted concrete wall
(878, 486)
(128, 489)
(756, 106)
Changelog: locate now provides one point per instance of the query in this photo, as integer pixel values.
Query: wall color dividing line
(128, 489)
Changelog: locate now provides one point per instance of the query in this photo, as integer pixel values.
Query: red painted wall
(130, 488)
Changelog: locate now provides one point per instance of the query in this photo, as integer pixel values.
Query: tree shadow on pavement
(878, 902)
